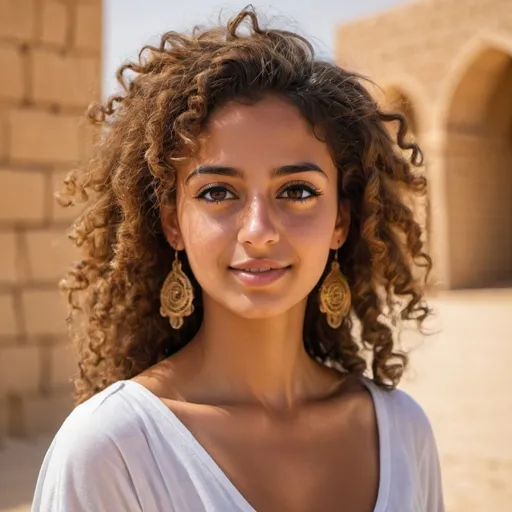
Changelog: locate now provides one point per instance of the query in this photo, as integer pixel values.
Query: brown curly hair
(113, 291)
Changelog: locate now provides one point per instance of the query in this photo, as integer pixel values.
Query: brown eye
(216, 194)
(299, 192)
(295, 193)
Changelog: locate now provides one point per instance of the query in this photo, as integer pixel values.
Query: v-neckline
(206, 460)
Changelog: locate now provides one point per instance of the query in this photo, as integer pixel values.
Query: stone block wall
(50, 61)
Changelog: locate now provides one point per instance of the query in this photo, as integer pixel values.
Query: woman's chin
(254, 304)
(258, 308)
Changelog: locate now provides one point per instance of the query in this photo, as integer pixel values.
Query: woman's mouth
(259, 274)
(255, 270)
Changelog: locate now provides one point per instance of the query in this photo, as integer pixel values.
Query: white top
(124, 449)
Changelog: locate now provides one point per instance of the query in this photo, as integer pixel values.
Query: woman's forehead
(269, 134)
(269, 116)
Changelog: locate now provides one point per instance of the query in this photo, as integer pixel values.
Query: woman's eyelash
(213, 188)
(302, 185)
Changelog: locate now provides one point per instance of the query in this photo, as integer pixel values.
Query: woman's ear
(342, 225)
(170, 226)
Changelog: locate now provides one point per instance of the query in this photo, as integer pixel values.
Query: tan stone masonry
(50, 57)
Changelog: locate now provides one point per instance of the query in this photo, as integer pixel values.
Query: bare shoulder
(354, 404)
(177, 379)
(365, 405)
(167, 379)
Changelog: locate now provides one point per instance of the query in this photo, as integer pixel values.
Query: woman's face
(257, 208)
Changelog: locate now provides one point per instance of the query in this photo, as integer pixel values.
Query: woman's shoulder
(105, 418)
(86, 466)
(398, 402)
(407, 436)
(402, 413)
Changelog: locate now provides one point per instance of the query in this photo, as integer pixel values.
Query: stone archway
(478, 170)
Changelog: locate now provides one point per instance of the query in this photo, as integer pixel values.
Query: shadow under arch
(477, 155)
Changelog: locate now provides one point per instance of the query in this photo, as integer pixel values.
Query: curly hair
(155, 121)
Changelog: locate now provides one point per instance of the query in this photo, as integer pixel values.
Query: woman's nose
(258, 228)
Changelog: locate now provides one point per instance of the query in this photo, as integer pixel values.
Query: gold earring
(334, 295)
(176, 295)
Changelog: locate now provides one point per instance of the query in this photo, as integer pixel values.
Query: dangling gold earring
(176, 295)
(334, 295)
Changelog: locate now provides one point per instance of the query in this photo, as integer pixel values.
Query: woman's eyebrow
(221, 170)
(299, 167)
(284, 170)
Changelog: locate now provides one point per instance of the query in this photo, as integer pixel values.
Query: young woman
(247, 252)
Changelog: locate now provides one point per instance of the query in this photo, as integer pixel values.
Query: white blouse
(125, 450)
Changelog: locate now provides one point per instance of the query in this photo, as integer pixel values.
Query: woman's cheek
(314, 226)
(204, 235)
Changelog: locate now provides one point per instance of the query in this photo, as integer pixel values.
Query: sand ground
(460, 375)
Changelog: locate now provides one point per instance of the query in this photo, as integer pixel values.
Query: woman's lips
(259, 277)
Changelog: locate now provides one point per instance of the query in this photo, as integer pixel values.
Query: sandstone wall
(50, 62)
(451, 61)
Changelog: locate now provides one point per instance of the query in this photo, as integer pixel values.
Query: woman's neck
(258, 361)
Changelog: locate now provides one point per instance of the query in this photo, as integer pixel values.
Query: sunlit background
(446, 64)
(129, 25)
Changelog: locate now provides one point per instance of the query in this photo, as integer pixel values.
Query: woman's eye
(216, 194)
(299, 193)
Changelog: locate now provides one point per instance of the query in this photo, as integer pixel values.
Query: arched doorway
(478, 166)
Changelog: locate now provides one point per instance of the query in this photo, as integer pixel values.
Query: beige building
(50, 62)
(450, 63)
(446, 63)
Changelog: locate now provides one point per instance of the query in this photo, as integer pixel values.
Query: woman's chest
(317, 475)
(296, 466)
